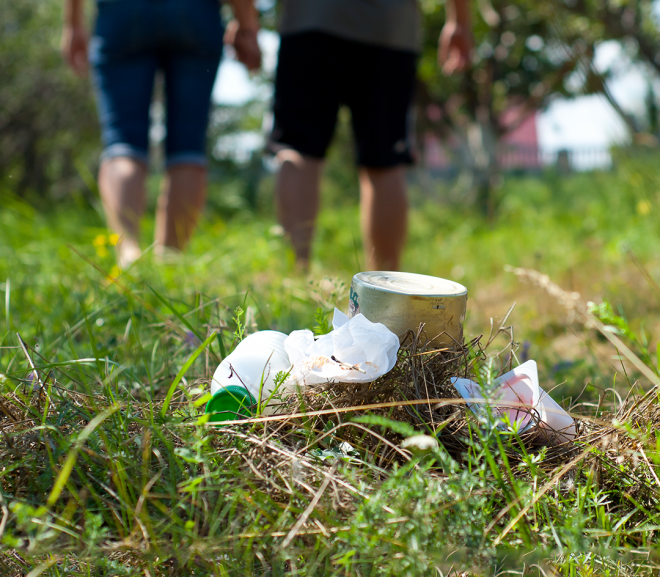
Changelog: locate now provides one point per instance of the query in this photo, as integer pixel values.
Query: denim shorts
(133, 39)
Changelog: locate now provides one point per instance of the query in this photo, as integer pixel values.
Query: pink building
(518, 150)
(520, 146)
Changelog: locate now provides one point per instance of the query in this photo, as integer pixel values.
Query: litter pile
(432, 381)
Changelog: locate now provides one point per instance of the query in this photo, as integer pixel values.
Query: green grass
(97, 477)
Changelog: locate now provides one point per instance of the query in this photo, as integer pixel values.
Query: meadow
(107, 466)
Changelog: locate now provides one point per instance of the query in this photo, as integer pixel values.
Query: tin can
(402, 301)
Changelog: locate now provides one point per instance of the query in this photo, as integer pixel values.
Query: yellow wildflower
(100, 240)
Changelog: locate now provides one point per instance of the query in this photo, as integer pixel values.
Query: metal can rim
(358, 279)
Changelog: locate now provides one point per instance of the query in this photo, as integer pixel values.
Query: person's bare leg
(384, 216)
(123, 192)
(179, 205)
(297, 197)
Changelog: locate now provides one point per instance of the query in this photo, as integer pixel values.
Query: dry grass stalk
(617, 439)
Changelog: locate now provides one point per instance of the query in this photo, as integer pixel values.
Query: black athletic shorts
(319, 72)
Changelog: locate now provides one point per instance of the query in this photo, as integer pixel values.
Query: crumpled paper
(356, 351)
(516, 394)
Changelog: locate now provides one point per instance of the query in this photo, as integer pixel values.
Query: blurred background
(556, 85)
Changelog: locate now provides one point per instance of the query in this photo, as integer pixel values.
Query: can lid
(407, 283)
(230, 402)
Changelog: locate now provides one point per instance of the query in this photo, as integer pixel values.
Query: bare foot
(128, 251)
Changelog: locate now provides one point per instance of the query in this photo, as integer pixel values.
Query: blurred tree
(651, 104)
(235, 162)
(630, 21)
(527, 52)
(48, 127)
(235, 138)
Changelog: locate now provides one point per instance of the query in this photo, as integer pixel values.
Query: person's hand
(244, 41)
(454, 48)
(74, 48)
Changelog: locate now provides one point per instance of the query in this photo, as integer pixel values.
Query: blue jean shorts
(132, 40)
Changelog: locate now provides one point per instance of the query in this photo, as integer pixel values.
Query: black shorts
(318, 72)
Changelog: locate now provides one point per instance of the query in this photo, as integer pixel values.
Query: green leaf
(322, 326)
(182, 372)
(187, 455)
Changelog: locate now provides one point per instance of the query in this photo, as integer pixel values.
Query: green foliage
(322, 326)
(48, 127)
(239, 332)
(617, 324)
(235, 179)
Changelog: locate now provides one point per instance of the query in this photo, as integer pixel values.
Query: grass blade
(8, 304)
(66, 469)
(176, 313)
(223, 350)
(187, 324)
(184, 368)
(43, 567)
(92, 340)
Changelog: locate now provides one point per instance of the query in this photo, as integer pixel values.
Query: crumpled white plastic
(513, 395)
(356, 351)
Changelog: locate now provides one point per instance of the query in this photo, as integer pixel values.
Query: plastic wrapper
(356, 351)
(517, 395)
